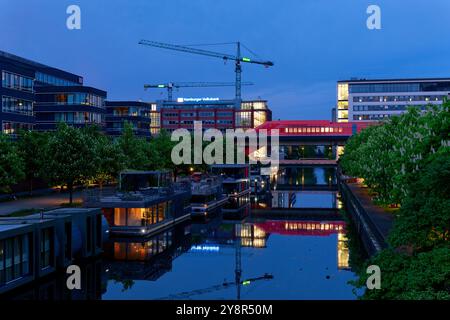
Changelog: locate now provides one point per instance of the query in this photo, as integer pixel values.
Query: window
(78, 117)
(68, 240)
(14, 258)
(16, 82)
(19, 106)
(170, 114)
(88, 234)
(8, 260)
(46, 248)
(343, 91)
(54, 81)
(2, 262)
(78, 98)
(224, 114)
(12, 128)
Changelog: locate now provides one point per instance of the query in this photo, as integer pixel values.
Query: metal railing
(115, 195)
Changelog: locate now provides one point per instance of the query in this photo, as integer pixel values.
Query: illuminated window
(343, 91)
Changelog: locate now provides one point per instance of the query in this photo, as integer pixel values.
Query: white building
(372, 100)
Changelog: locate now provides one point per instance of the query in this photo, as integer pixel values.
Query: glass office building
(35, 96)
(375, 100)
(137, 113)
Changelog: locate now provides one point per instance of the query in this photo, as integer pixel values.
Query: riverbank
(373, 222)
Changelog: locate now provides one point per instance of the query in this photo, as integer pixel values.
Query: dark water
(305, 264)
(284, 247)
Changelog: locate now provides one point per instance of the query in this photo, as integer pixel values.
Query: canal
(290, 244)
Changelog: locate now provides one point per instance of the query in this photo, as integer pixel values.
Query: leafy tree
(11, 164)
(405, 277)
(162, 145)
(111, 160)
(30, 146)
(407, 160)
(133, 148)
(424, 218)
(71, 157)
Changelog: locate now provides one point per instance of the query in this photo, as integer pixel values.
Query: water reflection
(312, 177)
(249, 259)
(288, 244)
(127, 260)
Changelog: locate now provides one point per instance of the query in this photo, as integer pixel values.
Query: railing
(206, 186)
(115, 195)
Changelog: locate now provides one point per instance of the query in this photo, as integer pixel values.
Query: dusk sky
(313, 43)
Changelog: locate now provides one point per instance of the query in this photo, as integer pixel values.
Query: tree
(133, 149)
(30, 146)
(11, 164)
(407, 160)
(162, 145)
(405, 277)
(424, 218)
(111, 160)
(71, 157)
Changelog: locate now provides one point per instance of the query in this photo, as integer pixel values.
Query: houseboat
(206, 194)
(235, 178)
(236, 185)
(145, 202)
(145, 259)
(37, 245)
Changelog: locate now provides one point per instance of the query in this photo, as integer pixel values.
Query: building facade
(37, 96)
(138, 114)
(77, 106)
(374, 100)
(213, 113)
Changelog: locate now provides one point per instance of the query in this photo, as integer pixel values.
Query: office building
(213, 112)
(37, 96)
(137, 113)
(374, 100)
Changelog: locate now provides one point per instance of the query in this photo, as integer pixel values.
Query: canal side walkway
(373, 222)
(49, 201)
(382, 219)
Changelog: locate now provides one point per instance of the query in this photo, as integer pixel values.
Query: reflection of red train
(302, 228)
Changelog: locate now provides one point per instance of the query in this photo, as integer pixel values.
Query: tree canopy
(406, 160)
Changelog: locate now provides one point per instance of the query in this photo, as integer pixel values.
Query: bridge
(311, 142)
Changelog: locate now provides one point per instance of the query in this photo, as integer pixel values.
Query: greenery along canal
(406, 162)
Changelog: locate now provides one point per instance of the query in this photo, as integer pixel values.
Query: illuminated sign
(181, 100)
(205, 248)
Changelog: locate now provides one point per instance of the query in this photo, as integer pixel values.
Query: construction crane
(217, 287)
(238, 268)
(238, 58)
(171, 85)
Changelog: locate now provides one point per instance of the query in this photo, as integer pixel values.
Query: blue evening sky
(313, 43)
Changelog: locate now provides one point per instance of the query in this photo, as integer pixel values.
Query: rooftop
(405, 80)
(6, 227)
(39, 66)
